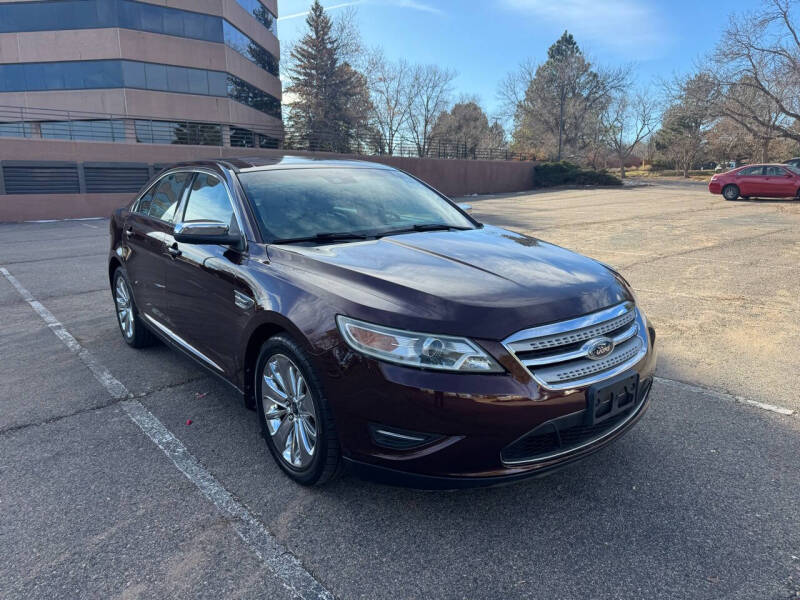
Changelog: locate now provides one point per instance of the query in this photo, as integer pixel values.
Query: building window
(245, 138)
(101, 130)
(247, 94)
(178, 132)
(96, 74)
(16, 130)
(69, 75)
(252, 51)
(261, 13)
(169, 21)
(53, 16)
(129, 14)
(57, 15)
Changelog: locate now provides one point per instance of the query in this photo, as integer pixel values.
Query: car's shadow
(675, 486)
(766, 200)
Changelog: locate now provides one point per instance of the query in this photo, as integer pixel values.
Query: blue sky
(483, 40)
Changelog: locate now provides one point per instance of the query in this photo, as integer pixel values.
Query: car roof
(267, 163)
(763, 165)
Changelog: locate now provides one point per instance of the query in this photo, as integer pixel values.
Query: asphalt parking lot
(107, 491)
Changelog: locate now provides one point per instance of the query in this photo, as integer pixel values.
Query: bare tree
(388, 84)
(511, 92)
(757, 64)
(626, 122)
(687, 120)
(348, 34)
(428, 96)
(757, 115)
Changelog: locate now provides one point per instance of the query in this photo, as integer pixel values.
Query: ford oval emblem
(599, 348)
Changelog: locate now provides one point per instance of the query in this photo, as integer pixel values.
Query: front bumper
(715, 187)
(472, 417)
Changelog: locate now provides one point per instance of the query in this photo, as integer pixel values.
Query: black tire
(326, 462)
(730, 192)
(134, 332)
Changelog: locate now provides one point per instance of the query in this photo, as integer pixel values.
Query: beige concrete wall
(34, 207)
(453, 177)
(45, 46)
(170, 50)
(94, 101)
(141, 103)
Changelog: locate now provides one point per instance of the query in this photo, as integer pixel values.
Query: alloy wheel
(122, 298)
(290, 411)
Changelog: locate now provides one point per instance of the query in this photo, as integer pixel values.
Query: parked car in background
(794, 162)
(758, 181)
(372, 322)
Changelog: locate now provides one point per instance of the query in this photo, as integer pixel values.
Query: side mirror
(465, 207)
(205, 232)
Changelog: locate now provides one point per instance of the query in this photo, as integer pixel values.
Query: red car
(760, 181)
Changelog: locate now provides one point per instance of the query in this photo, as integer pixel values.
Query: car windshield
(344, 203)
(794, 169)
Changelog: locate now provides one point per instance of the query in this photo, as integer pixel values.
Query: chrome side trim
(578, 448)
(183, 343)
(399, 436)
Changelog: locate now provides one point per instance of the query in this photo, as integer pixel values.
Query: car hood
(487, 282)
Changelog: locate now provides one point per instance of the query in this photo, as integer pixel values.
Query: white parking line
(103, 375)
(725, 396)
(255, 535)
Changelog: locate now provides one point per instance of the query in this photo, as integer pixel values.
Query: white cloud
(410, 4)
(413, 5)
(333, 7)
(628, 27)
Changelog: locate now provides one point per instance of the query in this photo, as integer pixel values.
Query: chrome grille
(557, 355)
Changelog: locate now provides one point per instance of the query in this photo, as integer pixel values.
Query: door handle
(129, 231)
(173, 251)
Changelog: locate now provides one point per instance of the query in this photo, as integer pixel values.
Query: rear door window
(751, 171)
(162, 199)
(774, 171)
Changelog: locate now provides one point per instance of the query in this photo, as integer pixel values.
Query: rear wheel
(130, 324)
(295, 416)
(730, 192)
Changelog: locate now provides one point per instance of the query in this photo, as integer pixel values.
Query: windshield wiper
(327, 236)
(424, 227)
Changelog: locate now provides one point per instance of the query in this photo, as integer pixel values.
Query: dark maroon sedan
(758, 181)
(374, 324)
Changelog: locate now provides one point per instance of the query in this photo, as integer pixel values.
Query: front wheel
(730, 192)
(295, 416)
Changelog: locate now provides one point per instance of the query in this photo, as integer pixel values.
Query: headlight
(428, 351)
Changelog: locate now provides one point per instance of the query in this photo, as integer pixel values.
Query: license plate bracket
(608, 399)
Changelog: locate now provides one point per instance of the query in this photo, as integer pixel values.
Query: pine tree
(330, 97)
(564, 100)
